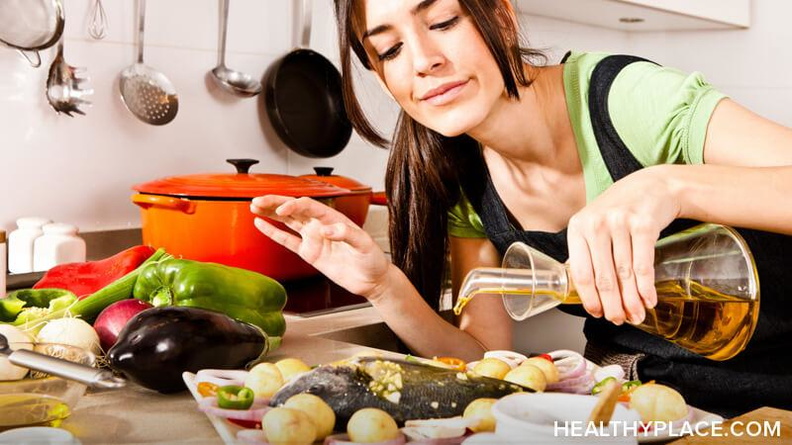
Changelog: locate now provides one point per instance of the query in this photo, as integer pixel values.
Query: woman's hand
(611, 245)
(326, 239)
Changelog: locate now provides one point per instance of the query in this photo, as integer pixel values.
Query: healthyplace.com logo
(615, 428)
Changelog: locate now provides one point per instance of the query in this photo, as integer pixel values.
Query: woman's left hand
(611, 245)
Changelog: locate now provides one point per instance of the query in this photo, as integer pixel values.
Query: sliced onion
(444, 441)
(580, 385)
(615, 371)
(221, 377)
(343, 439)
(252, 437)
(508, 355)
(252, 414)
(448, 428)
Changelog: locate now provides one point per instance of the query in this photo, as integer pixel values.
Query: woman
(491, 148)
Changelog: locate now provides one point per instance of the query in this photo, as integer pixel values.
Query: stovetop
(315, 296)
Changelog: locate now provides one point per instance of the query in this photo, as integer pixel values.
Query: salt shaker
(20, 243)
(3, 268)
(58, 245)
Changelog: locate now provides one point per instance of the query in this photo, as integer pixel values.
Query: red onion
(113, 318)
(252, 437)
(343, 439)
(221, 377)
(252, 414)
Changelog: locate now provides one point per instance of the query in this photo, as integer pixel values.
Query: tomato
(546, 357)
(456, 363)
(207, 389)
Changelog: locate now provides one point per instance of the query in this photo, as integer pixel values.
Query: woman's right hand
(326, 239)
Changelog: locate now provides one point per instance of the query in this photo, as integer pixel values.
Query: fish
(407, 390)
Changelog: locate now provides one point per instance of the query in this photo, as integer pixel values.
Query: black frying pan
(304, 100)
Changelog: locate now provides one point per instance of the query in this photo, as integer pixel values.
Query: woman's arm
(744, 182)
(484, 318)
(346, 254)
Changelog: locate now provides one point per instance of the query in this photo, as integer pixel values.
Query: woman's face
(433, 60)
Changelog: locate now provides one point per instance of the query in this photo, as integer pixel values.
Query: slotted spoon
(146, 92)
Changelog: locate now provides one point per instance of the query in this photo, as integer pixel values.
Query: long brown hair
(425, 168)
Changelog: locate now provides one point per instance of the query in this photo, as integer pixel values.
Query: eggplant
(157, 345)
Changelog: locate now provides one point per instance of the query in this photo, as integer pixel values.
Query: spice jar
(58, 245)
(3, 268)
(20, 243)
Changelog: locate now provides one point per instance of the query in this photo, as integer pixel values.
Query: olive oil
(700, 319)
(18, 410)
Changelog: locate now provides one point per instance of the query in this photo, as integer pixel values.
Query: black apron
(761, 375)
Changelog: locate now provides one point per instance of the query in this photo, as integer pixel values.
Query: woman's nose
(427, 57)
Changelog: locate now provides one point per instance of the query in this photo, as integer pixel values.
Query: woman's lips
(444, 93)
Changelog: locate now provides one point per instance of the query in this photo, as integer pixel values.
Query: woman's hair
(425, 169)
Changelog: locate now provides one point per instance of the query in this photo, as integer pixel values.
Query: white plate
(226, 430)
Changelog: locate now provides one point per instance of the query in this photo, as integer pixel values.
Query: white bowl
(560, 418)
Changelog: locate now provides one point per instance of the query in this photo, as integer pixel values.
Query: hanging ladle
(96, 378)
(230, 80)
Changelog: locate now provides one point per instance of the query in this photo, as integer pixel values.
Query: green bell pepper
(235, 397)
(25, 305)
(239, 293)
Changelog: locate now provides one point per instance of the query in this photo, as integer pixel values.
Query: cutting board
(783, 434)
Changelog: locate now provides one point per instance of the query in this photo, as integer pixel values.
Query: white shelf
(656, 15)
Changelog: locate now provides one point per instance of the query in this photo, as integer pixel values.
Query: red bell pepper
(83, 279)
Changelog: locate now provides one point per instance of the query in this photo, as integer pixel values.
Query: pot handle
(145, 201)
(378, 198)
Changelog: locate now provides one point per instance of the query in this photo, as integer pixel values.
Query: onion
(252, 414)
(615, 371)
(343, 439)
(221, 377)
(509, 355)
(252, 437)
(113, 318)
(70, 331)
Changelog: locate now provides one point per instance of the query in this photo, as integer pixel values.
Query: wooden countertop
(762, 426)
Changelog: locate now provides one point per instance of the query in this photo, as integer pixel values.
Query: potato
(481, 409)
(290, 367)
(287, 426)
(548, 368)
(371, 425)
(528, 375)
(317, 409)
(492, 367)
(658, 402)
(265, 379)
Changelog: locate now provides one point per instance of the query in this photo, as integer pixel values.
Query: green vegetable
(630, 385)
(87, 308)
(26, 305)
(239, 293)
(601, 385)
(235, 397)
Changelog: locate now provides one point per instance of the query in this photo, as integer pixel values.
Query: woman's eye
(448, 24)
(390, 53)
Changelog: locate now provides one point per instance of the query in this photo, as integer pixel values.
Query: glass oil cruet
(706, 280)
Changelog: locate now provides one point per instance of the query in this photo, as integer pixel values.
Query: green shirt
(660, 113)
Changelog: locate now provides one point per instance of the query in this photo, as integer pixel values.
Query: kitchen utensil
(706, 280)
(97, 378)
(234, 82)
(146, 92)
(354, 205)
(207, 217)
(603, 409)
(97, 28)
(31, 26)
(304, 99)
(65, 86)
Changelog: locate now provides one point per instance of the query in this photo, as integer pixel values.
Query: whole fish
(404, 389)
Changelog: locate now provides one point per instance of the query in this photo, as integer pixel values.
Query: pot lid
(240, 184)
(325, 174)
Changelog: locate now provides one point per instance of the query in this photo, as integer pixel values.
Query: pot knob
(242, 165)
(323, 171)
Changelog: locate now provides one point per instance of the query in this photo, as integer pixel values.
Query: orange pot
(206, 217)
(354, 204)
